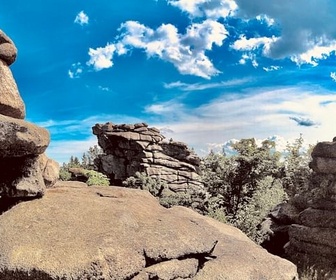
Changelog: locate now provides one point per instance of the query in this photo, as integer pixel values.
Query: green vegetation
(96, 178)
(87, 168)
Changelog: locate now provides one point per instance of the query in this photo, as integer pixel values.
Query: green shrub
(96, 178)
(144, 182)
(64, 174)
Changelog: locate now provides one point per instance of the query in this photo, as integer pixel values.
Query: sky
(202, 71)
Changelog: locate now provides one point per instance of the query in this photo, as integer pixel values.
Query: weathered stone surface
(20, 138)
(50, 170)
(138, 148)
(315, 235)
(23, 173)
(11, 103)
(324, 165)
(311, 227)
(325, 150)
(118, 233)
(21, 177)
(8, 50)
(318, 218)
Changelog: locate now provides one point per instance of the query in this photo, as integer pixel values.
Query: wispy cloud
(204, 86)
(82, 18)
(75, 71)
(303, 121)
(271, 68)
(258, 113)
(333, 76)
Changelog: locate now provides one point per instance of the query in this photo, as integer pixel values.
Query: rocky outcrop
(21, 142)
(315, 233)
(308, 220)
(80, 232)
(138, 148)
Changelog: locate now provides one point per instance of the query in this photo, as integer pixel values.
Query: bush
(64, 174)
(96, 178)
(144, 182)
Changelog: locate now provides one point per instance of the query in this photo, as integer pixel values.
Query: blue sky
(202, 71)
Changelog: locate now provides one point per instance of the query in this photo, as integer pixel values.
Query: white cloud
(316, 53)
(333, 76)
(243, 44)
(264, 18)
(82, 18)
(249, 57)
(271, 68)
(214, 9)
(307, 28)
(204, 86)
(187, 52)
(75, 71)
(101, 58)
(259, 114)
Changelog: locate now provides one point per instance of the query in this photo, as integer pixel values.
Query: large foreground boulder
(25, 172)
(80, 232)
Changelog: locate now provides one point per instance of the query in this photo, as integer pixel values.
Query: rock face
(309, 220)
(138, 148)
(21, 142)
(80, 232)
(315, 234)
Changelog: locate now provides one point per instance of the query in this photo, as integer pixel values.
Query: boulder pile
(25, 170)
(132, 148)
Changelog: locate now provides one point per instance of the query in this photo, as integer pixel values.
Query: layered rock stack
(307, 223)
(131, 148)
(25, 170)
(315, 234)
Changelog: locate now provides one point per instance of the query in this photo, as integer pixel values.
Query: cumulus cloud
(82, 18)
(214, 9)
(307, 28)
(101, 58)
(303, 121)
(187, 52)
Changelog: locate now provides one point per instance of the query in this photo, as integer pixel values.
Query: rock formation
(308, 221)
(80, 232)
(138, 148)
(21, 142)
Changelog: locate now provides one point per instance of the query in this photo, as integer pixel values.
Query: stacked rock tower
(25, 170)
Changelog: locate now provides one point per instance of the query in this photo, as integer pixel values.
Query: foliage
(88, 158)
(96, 178)
(64, 174)
(244, 187)
(268, 194)
(233, 180)
(296, 172)
(144, 182)
(87, 162)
